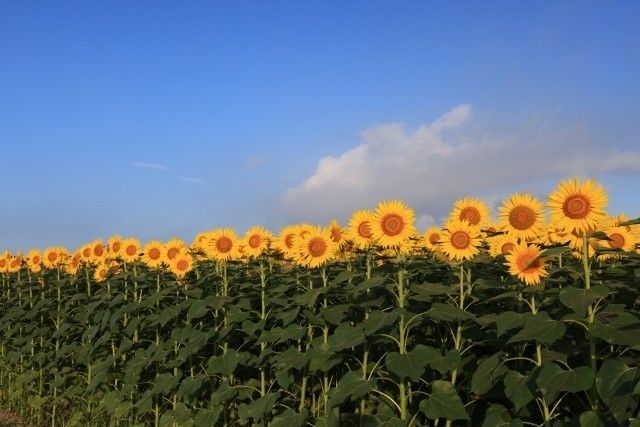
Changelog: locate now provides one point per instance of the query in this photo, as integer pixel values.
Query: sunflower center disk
(288, 241)
(171, 253)
(317, 247)
(131, 250)
(528, 263)
(506, 248)
(336, 235)
(434, 238)
(98, 250)
(115, 247)
(522, 217)
(182, 265)
(52, 256)
(254, 241)
(460, 240)
(576, 206)
(36, 260)
(470, 214)
(364, 230)
(392, 224)
(154, 253)
(617, 240)
(224, 244)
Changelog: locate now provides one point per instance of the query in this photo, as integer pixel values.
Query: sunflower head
(256, 241)
(173, 248)
(578, 205)
(34, 260)
(501, 245)
(316, 247)
(98, 251)
(15, 263)
(393, 224)
(460, 240)
(525, 262)
(431, 238)
(130, 251)
(114, 246)
(4, 261)
(620, 238)
(73, 263)
(286, 241)
(181, 264)
(360, 229)
(338, 234)
(153, 254)
(521, 216)
(223, 245)
(54, 256)
(474, 211)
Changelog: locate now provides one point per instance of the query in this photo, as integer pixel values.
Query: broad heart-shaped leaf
(189, 387)
(579, 300)
(447, 363)
(590, 419)
(620, 329)
(443, 402)
(346, 336)
(224, 364)
(197, 309)
(258, 407)
(498, 416)
(447, 313)
(410, 365)
(378, 320)
(540, 328)
(488, 372)
(510, 320)
(426, 291)
(290, 418)
(519, 389)
(351, 386)
(552, 379)
(615, 382)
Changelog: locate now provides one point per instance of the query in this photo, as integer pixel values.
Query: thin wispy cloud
(191, 179)
(254, 162)
(154, 166)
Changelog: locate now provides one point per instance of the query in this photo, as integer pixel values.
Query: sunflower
(152, 254)
(316, 247)
(223, 245)
(256, 241)
(54, 256)
(34, 260)
(432, 237)
(98, 251)
(73, 263)
(173, 248)
(130, 251)
(619, 238)
(525, 262)
(114, 246)
(198, 244)
(360, 228)
(4, 261)
(460, 240)
(86, 251)
(337, 232)
(393, 224)
(285, 243)
(474, 211)
(501, 244)
(578, 206)
(15, 263)
(181, 264)
(521, 216)
(101, 272)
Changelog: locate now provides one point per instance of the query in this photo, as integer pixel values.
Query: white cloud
(147, 165)
(454, 156)
(191, 179)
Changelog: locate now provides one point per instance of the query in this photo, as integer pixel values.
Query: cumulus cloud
(453, 156)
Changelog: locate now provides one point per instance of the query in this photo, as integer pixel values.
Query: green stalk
(404, 415)
(591, 317)
(365, 351)
(263, 317)
(325, 341)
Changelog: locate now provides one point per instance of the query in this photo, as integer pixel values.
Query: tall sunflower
(316, 247)
(285, 243)
(34, 260)
(98, 251)
(521, 216)
(72, 265)
(337, 232)
(431, 238)
(256, 241)
(578, 206)
(223, 245)
(460, 240)
(53, 256)
(360, 228)
(474, 211)
(4, 261)
(152, 254)
(393, 224)
(130, 250)
(501, 244)
(15, 263)
(173, 248)
(525, 262)
(114, 246)
(181, 264)
(619, 238)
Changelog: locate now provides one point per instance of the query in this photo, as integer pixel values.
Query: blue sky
(161, 118)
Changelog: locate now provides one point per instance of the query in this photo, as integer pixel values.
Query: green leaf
(345, 336)
(630, 222)
(509, 320)
(410, 365)
(189, 387)
(258, 407)
(540, 328)
(579, 300)
(615, 382)
(552, 379)
(591, 419)
(290, 418)
(351, 386)
(224, 364)
(498, 416)
(378, 320)
(197, 309)
(443, 402)
(488, 372)
(448, 313)
(518, 389)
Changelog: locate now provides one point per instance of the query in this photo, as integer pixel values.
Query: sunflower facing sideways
(152, 254)
(619, 238)
(474, 211)
(360, 229)
(460, 240)
(526, 264)
(223, 245)
(316, 247)
(578, 206)
(431, 238)
(338, 234)
(285, 243)
(501, 244)
(521, 216)
(393, 224)
(256, 241)
(173, 248)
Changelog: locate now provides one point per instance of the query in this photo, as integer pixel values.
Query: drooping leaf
(443, 402)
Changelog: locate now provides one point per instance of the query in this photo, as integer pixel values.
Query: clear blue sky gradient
(241, 99)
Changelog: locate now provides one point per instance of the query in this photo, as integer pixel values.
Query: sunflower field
(528, 318)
